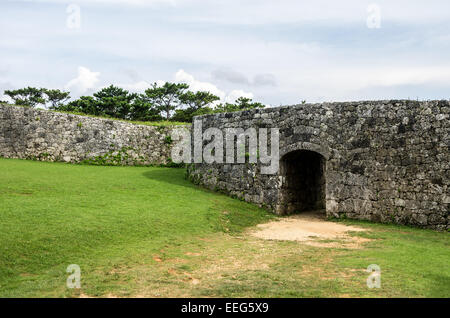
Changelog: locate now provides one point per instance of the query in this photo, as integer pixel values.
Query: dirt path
(311, 228)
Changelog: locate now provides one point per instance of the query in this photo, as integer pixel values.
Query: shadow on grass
(169, 175)
(174, 176)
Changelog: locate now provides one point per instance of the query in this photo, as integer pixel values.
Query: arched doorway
(302, 182)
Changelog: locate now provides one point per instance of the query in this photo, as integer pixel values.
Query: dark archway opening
(303, 182)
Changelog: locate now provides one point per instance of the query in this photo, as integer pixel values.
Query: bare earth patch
(222, 264)
(312, 229)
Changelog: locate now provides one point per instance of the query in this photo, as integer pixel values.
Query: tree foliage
(167, 97)
(114, 102)
(195, 104)
(171, 101)
(28, 96)
(85, 104)
(242, 103)
(55, 97)
(143, 110)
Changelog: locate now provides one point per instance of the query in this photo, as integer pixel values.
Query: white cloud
(183, 77)
(5, 98)
(194, 85)
(85, 80)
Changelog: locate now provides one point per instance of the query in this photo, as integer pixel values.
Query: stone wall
(50, 136)
(384, 161)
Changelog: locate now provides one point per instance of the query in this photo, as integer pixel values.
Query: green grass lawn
(140, 231)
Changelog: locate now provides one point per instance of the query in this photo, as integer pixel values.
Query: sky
(276, 52)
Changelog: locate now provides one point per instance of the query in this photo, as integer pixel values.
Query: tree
(29, 96)
(56, 97)
(85, 105)
(198, 100)
(114, 101)
(166, 98)
(242, 103)
(141, 109)
(196, 104)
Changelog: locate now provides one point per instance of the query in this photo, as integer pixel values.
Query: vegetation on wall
(170, 101)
